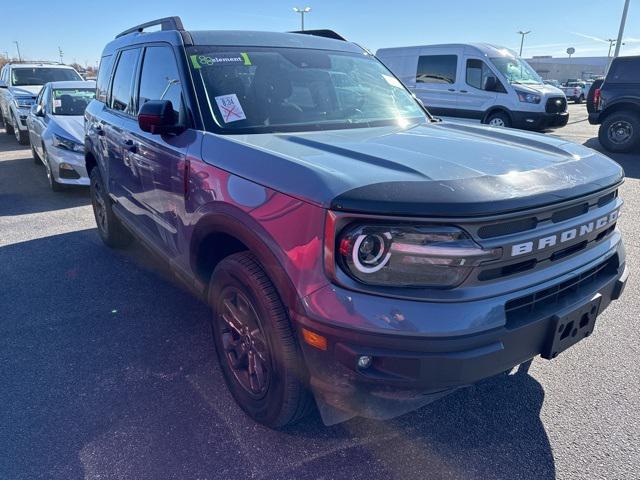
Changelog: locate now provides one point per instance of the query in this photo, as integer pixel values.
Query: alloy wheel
(244, 343)
(496, 122)
(620, 132)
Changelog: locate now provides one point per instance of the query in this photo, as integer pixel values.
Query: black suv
(617, 106)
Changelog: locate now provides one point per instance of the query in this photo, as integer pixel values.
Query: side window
(40, 96)
(122, 88)
(624, 71)
(160, 79)
(104, 75)
(480, 76)
(437, 69)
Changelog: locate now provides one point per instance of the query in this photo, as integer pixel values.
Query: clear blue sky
(82, 28)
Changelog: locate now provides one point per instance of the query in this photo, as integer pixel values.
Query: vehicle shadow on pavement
(629, 161)
(24, 189)
(108, 371)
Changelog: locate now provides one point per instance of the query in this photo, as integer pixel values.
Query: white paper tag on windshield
(230, 108)
(57, 103)
(393, 81)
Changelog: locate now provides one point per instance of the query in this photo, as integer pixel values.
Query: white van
(478, 81)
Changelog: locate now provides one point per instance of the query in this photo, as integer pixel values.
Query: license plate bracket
(570, 326)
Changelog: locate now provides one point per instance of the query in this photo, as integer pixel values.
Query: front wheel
(620, 132)
(110, 229)
(53, 184)
(8, 126)
(259, 356)
(21, 136)
(498, 119)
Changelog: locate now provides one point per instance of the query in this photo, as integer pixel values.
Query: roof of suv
(232, 38)
(39, 64)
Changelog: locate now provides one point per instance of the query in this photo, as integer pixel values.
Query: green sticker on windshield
(199, 61)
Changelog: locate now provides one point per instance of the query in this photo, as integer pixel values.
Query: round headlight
(371, 251)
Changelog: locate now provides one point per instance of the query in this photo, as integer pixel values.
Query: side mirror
(158, 117)
(490, 84)
(3, 84)
(37, 110)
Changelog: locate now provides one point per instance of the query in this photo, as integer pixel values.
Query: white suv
(20, 83)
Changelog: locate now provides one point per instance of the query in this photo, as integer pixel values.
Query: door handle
(463, 91)
(130, 146)
(451, 89)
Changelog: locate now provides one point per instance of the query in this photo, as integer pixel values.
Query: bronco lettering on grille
(564, 236)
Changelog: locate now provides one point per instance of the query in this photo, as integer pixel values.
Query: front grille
(522, 308)
(556, 105)
(530, 223)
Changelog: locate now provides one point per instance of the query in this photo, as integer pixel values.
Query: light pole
(623, 20)
(60, 53)
(302, 11)
(18, 48)
(522, 39)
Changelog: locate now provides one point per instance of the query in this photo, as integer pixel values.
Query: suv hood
(27, 90)
(439, 169)
(544, 89)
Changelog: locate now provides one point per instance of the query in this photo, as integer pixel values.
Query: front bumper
(539, 120)
(410, 370)
(75, 172)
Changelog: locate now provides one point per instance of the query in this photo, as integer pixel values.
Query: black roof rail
(166, 23)
(322, 33)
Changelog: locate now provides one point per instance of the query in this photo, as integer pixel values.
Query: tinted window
(437, 69)
(625, 71)
(104, 75)
(41, 75)
(160, 79)
(121, 91)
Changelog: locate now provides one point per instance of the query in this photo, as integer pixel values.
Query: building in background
(563, 69)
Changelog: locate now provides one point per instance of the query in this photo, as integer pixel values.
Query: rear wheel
(110, 229)
(498, 119)
(34, 154)
(620, 132)
(580, 99)
(259, 355)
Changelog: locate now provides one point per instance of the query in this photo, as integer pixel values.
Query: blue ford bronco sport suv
(357, 253)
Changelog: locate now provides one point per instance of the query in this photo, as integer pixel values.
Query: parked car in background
(350, 245)
(479, 81)
(19, 85)
(616, 106)
(576, 91)
(56, 131)
(553, 83)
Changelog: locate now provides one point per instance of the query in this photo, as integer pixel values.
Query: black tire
(8, 127)
(53, 184)
(36, 158)
(21, 136)
(591, 94)
(580, 99)
(278, 395)
(498, 119)
(620, 132)
(110, 229)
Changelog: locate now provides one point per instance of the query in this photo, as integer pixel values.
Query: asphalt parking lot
(107, 370)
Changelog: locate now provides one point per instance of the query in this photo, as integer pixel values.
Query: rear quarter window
(104, 75)
(625, 71)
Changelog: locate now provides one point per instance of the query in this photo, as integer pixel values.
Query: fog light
(65, 166)
(364, 361)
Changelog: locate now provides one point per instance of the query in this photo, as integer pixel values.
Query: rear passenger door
(437, 82)
(160, 159)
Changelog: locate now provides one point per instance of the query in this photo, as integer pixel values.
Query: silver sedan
(56, 131)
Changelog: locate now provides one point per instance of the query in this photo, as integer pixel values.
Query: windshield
(41, 75)
(72, 101)
(516, 70)
(290, 89)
